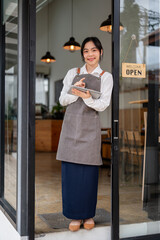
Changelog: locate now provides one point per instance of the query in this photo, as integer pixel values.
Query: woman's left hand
(81, 94)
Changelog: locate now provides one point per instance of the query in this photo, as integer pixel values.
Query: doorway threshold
(98, 233)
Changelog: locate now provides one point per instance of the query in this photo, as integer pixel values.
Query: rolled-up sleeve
(106, 89)
(65, 98)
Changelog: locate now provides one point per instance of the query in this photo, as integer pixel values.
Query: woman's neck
(90, 68)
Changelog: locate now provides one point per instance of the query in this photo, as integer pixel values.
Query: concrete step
(98, 233)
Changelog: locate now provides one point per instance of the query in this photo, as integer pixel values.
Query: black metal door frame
(26, 118)
(23, 217)
(115, 129)
(115, 121)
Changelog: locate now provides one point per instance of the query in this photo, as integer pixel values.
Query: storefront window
(11, 45)
(139, 117)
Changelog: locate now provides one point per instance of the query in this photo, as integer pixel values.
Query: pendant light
(48, 58)
(72, 45)
(106, 26)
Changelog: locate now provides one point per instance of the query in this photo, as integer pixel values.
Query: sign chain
(133, 37)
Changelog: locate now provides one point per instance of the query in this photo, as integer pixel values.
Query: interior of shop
(58, 21)
(71, 20)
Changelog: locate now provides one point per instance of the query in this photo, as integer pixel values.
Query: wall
(8, 232)
(87, 17)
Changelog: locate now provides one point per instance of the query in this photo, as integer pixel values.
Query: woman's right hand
(80, 83)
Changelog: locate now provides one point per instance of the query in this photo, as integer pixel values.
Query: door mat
(58, 221)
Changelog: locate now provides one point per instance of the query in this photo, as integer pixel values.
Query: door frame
(115, 121)
(23, 216)
(26, 118)
(30, 102)
(115, 129)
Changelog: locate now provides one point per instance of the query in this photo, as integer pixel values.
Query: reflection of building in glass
(139, 20)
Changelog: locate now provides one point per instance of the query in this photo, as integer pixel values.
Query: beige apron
(80, 139)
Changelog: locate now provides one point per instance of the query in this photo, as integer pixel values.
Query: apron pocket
(69, 126)
(86, 128)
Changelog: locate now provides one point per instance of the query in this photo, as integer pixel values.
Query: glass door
(9, 46)
(139, 169)
(17, 115)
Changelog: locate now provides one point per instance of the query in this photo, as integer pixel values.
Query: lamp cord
(72, 18)
(48, 25)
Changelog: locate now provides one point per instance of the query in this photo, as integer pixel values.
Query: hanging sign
(133, 70)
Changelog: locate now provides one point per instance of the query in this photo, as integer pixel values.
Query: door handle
(115, 133)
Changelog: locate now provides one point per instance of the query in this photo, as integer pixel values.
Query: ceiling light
(106, 26)
(72, 45)
(48, 58)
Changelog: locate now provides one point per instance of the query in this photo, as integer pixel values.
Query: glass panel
(11, 39)
(138, 113)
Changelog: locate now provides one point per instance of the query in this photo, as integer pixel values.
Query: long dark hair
(96, 42)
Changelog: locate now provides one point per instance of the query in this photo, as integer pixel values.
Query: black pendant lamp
(106, 26)
(72, 45)
(48, 58)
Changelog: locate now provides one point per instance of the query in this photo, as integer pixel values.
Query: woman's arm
(65, 98)
(104, 101)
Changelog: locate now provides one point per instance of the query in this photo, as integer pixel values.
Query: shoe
(75, 225)
(89, 223)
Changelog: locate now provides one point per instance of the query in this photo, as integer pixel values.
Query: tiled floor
(48, 193)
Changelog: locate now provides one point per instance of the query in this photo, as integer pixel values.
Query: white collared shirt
(106, 89)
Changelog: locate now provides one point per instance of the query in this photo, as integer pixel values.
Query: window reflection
(11, 41)
(139, 114)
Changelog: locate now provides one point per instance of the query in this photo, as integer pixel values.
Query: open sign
(133, 70)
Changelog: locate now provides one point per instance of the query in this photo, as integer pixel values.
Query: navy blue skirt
(79, 190)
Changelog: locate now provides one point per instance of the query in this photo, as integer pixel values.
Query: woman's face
(91, 54)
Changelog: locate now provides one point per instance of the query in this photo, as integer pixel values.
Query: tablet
(94, 94)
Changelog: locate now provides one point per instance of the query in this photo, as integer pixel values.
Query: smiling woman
(80, 140)
(91, 52)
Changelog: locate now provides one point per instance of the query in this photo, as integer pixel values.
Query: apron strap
(102, 73)
(78, 71)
